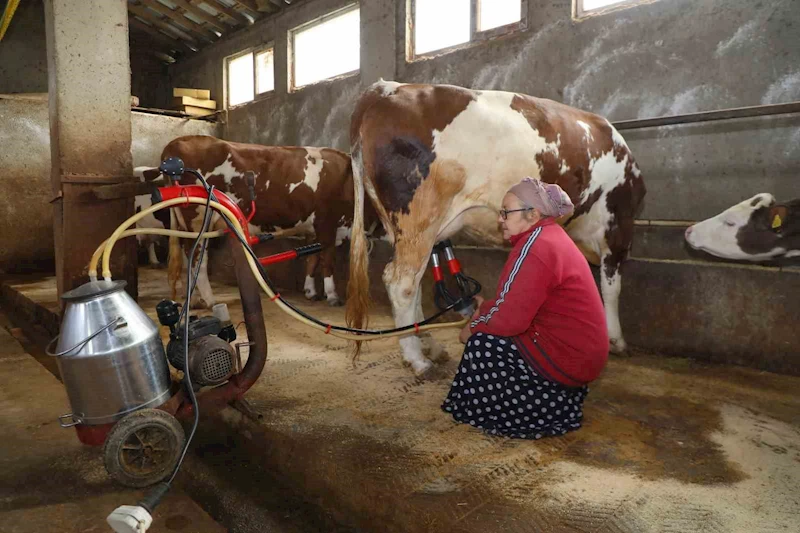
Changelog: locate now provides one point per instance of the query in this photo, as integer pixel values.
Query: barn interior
(694, 428)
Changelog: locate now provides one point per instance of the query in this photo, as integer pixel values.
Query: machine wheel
(143, 448)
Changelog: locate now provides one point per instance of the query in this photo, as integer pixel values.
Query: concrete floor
(668, 445)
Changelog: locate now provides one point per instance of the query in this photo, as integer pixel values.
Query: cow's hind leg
(309, 288)
(610, 288)
(328, 261)
(402, 278)
(151, 253)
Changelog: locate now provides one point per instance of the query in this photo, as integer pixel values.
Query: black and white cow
(757, 229)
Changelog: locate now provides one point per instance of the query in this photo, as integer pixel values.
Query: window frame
(255, 50)
(579, 13)
(310, 24)
(476, 37)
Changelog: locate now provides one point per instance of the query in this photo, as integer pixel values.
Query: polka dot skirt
(497, 391)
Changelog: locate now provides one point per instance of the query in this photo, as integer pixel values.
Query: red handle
(455, 266)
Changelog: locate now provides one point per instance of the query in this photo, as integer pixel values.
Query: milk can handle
(76, 419)
(84, 341)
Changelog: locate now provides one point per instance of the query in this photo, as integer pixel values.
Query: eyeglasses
(504, 212)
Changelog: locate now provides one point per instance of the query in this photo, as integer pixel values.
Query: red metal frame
(198, 191)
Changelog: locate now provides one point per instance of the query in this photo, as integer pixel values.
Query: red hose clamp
(278, 295)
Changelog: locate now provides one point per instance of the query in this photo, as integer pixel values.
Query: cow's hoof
(311, 295)
(617, 346)
(335, 302)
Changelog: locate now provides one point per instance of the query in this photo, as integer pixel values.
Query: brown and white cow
(758, 229)
(157, 220)
(436, 159)
(299, 191)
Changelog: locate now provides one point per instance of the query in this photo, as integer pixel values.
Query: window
(440, 24)
(265, 71)
(250, 74)
(585, 6)
(495, 13)
(443, 24)
(240, 79)
(327, 47)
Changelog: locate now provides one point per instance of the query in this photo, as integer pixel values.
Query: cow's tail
(175, 261)
(358, 302)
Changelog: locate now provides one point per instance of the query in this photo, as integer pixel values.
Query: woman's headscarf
(548, 198)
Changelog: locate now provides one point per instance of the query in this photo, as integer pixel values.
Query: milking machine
(116, 370)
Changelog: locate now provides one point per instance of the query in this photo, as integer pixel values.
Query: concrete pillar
(90, 134)
(378, 41)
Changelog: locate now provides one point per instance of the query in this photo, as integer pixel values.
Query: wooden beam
(232, 13)
(176, 15)
(167, 40)
(201, 14)
(142, 12)
(251, 6)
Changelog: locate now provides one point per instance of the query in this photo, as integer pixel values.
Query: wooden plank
(177, 16)
(202, 94)
(196, 102)
(201, 14)
(232, 13)
(167, 40)
(142, 12)
(198, 111)
(252, 7)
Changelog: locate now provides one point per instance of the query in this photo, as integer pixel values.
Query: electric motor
(211, 360)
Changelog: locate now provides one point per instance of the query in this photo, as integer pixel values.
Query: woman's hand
(478, 303)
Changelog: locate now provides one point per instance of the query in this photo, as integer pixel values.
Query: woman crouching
(531, 351)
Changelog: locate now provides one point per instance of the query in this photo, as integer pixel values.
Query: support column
(378, 41)
(89, 79)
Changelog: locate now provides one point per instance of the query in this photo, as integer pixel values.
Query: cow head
(754, 230)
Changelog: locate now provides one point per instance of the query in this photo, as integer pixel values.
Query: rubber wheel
(143, 448)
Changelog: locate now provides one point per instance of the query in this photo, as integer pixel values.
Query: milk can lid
(93, 289)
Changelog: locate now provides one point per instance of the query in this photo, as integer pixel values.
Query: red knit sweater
(548, 302)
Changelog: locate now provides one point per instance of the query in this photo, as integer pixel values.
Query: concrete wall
(313, 116)
(23, 61)
(26, 219)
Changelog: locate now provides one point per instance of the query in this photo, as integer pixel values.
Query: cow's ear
(777, 217)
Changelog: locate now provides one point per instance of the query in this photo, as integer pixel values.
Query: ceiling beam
(232, 13)
(165, 40)
(177, 16)
(200, 13)
(142, 12)
(251, 6)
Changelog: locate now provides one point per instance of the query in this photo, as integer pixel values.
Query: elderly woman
(531, 351)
